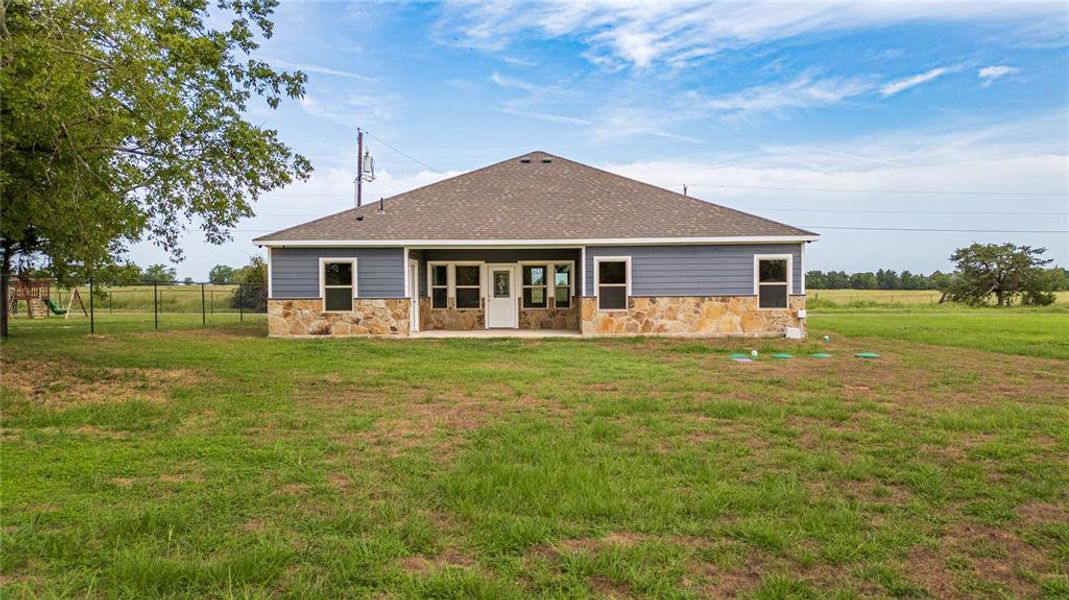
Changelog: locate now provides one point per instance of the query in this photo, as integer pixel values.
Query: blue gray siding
(380, 272)
(693, 270)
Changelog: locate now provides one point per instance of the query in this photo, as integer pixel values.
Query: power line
(408, 156)
(875, 191)
(913, 212)
(938, 230)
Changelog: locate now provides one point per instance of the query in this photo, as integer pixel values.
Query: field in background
(218, 462)
(171, 298)
(868, 298)
(131, 308)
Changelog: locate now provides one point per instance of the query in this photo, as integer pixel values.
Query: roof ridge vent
(525, 159)
(546, 159)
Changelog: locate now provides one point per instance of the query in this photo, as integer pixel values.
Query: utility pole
(359, 165)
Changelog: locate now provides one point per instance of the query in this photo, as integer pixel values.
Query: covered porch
(496, 291)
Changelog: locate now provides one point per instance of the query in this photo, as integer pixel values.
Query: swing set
(36, 293)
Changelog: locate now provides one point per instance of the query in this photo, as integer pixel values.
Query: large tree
(125, 120)
(1006, 272)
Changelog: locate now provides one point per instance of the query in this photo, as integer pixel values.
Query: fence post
(203, 314)
(111, 303)
(241, 303)
(92, 309)
(155, 306)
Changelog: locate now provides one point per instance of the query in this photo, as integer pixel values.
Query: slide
(55, 309)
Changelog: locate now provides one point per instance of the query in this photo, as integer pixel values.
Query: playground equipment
(37, 293)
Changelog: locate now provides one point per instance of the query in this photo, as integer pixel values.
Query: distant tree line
(889, 279)
(883, 279)
(1004, 273)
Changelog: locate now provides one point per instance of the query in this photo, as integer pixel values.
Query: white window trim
(550, 265)
(582, 261)
(757, 258)
(270, 278)
(597, 281)
(571, 281)
(451, 279)
(431, 287)
(323, 260)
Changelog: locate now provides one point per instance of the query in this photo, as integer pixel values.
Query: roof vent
(359, 217)
(547, 160)
(525, 159)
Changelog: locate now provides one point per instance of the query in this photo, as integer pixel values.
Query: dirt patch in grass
(421, 565)
(91, 431)
(610, 589)
(731, 580)
(59, 386)
(339, 481)
(293, 489)
(993, 555)
(1039, 513)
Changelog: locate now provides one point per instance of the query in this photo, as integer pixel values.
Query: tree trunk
(5, 276)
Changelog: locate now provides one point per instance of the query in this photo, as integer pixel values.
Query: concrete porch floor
(496, 333)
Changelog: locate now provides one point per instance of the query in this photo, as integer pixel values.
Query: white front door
(413, 294)
(501, 308)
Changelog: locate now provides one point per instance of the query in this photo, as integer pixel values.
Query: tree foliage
(221, 274)
(252, 293)
(159, 273)
(125, 119)
(1007, 272)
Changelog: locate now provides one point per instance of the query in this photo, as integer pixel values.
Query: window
(562, 285)
(772, 274)
(613, 282)
(534, 286)
(468, 286)
(461, 282)
(439, 286)
(337, 281)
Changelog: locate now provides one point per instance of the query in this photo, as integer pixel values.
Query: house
(538, 242)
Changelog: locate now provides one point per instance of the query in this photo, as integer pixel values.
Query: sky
(878, 125)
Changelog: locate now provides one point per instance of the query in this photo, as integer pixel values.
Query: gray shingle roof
(545, 197)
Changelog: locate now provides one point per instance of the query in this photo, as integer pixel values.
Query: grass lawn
(1027, 332)
(217, 462)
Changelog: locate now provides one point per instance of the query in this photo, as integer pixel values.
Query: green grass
(219, 463)
(1007, 331)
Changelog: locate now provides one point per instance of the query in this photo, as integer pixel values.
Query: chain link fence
(37, 306)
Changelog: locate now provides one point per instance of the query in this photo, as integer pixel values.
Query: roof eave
(429, 243)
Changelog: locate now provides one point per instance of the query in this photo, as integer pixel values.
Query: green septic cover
(782, 355)
(867, 355)
(820, 355)
(735, 355)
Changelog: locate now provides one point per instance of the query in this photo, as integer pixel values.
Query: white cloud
(548, 117)
(989, 74)
(906, 83)
(311, 68)
(640, 33)
(511, 83)
(802, 92)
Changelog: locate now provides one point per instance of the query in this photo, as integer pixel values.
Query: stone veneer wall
(694, 316)
(551, 317)
(305, 317)
(450, 318)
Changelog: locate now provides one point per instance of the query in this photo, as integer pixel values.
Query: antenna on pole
(365, 166)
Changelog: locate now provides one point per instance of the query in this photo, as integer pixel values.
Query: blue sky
(832, 116)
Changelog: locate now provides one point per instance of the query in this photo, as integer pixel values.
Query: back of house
(538, 242)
